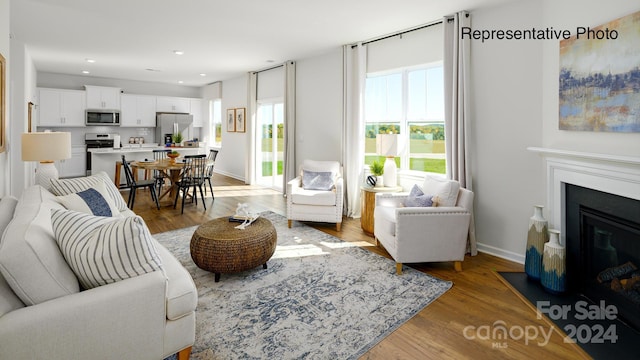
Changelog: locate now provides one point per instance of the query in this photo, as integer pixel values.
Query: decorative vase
(372, 180)
(537, 236)
(553, 264)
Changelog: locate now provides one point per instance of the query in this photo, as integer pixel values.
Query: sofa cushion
(7, 207)
(313, 197)
(182, 296)
(94, 201)
(445, 192)
(385, 217)
(30, 260)
(102, 250)
(317, 180)
(72, 186)
(417, 198)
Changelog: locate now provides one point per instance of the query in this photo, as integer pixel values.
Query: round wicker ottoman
(219, 247)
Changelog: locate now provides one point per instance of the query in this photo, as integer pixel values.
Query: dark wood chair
(134, 185)
(193, 176)
(211, 161)
(158, 175)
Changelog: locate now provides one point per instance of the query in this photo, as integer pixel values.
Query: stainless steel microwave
(102, 117)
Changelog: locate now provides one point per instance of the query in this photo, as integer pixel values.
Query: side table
(369, 204)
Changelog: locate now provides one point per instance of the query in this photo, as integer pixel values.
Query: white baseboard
(237, 177)
(508, 255)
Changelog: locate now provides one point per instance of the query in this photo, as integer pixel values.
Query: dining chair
(134, 185)
(193, 176)
(159, 175)
(211, 161)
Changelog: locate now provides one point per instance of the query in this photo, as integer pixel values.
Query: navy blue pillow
(417, 198)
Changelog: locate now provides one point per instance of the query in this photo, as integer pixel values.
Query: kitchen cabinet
(173, 104)
(197, 111)
(138, 111)
(58, 107)
(102, 97)
(76, 165)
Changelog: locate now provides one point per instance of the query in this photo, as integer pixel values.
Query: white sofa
(314, 204)
(45, 315)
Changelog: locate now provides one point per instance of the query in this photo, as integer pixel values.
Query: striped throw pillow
(71, 186)
(102, 250)
(94, 200)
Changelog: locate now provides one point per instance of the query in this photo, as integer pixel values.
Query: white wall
(233, 157)
(506, 93)
(319, 102)
(569, 14)
(4, 50)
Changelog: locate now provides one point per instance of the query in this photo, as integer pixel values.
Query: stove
(95, 141)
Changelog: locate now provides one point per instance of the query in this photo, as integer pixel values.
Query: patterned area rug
(319, 298)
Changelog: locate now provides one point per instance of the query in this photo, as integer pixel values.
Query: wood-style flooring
(458, 325)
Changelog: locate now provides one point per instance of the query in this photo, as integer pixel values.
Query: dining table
(169, 168)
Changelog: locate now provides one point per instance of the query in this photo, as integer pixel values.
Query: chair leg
(184, 354)
(289, 223)
(185, 193)
(154, 195)
(132, 197)
(210, 188)
(338, 226)
(202, 196)
(399, 268)
(129, 205)
(457, 265)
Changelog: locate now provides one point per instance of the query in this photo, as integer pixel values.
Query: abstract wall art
(600, 78)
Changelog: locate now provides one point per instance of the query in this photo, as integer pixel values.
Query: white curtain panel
(289, 167)
(456, 84)
(355, 72)
(250, 118)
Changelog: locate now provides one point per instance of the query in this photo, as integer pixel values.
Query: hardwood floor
(449, 328)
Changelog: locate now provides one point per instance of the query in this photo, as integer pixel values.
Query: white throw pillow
(445, 192)
(71, 186)
(102, 250)
(95, 201)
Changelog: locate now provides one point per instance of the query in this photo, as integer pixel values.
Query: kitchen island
(104, 159)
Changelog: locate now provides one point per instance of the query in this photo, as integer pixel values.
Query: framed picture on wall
(240, 120)
(231, 120)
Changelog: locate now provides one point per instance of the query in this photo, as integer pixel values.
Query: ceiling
(221, 39)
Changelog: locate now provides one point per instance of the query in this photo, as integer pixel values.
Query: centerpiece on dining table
(172, 156)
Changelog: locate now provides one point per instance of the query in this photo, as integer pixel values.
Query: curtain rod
(267, 69)
(438, 22)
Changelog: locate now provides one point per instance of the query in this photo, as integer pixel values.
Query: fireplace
(603, 249)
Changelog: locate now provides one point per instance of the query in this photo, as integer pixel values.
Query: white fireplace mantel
(619, 175)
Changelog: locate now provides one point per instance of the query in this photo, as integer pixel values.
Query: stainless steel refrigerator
(168, 124)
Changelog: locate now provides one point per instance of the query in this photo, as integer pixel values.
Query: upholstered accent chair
(429, 224)
(316, 194)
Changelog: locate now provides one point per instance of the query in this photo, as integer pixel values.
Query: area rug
(319, 298)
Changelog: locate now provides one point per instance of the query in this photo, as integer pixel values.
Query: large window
(270, 144)
(408, 102)
(215, 122)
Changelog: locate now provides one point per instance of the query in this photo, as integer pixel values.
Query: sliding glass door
(270, 144)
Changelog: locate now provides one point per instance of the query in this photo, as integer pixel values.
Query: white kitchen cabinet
(76, 165)
(102, 97)
(58, 107)
(197, 111)
(138, 111)
(172, 104)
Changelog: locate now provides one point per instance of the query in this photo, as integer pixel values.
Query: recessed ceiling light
(178, 52)
(153, 70)
(271, 61)
(85, 71)
(180, 81)
(90, 61)
(203, 74)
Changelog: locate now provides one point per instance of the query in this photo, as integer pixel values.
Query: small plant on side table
(377, 169)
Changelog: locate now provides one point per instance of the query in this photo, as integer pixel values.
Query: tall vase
(537, 236)
(553, 264)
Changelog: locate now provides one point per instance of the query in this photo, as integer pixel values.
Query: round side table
(369, 204)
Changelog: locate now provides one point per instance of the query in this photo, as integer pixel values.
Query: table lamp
(387, 145)
(46, 147)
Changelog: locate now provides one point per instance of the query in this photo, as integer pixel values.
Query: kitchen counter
(145, 148)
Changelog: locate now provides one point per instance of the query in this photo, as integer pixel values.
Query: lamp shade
(387, 144)
(46, 146)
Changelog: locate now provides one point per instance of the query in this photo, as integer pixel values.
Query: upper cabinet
(138, 111)
(61, 107)
(102, 97)
(197, 111)
(173, 104)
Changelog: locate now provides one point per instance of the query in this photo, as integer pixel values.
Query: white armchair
(425, 234)
(317, 193)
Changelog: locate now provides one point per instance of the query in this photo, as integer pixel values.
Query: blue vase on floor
(553, 273)
(537, 236)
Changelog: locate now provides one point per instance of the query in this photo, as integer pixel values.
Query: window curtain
(289, 166)
(456, 84)
(354, 62)
(252, 108)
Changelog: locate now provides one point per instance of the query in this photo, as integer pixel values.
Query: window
(270, 143)
(215, 122)
(408, 102)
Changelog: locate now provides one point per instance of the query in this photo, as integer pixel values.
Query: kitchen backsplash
(77, 133)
